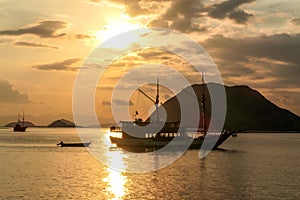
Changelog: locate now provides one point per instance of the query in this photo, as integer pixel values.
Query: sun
(116, 27)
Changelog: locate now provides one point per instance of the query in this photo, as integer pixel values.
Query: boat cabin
(141, 129)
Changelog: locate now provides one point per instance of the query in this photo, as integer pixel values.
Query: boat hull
(20, 128)
(151, 144)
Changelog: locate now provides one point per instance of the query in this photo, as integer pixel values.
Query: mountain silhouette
(62, 123)
(246, 109)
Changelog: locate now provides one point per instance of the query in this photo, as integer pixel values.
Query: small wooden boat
(84, 144)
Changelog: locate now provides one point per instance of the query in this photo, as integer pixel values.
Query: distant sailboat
(20, 126)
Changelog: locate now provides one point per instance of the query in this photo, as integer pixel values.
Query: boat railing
(115, 129)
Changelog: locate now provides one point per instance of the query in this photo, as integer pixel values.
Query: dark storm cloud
(9, 95)
(66, 65)
(43, 29)
(32, 44)
(230, 8)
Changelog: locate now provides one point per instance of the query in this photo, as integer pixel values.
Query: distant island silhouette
(61, 123)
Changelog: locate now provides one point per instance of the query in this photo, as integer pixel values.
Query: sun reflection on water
(115, 180)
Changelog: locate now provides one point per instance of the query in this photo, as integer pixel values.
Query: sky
(43, 45)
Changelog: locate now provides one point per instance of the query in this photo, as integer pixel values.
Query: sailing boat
(20, 126)
(152, 137)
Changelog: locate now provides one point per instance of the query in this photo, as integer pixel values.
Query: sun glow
(115, 28)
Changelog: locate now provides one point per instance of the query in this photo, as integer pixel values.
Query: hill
(61, 123)
(246, 108)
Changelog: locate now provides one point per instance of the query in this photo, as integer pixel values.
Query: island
(61, 123)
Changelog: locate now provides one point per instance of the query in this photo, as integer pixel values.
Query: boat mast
(203, 105)
(157, 100)
(18, 118)
(23, 119)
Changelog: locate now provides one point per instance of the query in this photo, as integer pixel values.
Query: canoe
(84, 144)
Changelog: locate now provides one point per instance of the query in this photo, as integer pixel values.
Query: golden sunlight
(116, 27)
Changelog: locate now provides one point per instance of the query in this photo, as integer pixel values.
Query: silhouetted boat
(84, 144)
(164, 137)
(152, 139)
(20, 125)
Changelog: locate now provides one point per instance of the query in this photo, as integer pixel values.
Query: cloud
(240, 16)
(282, 47)
(120, 102)
(32, 44)
(117, 102)
(230, 8)
(105, 88)
(151, 54)
(43, 29)
(296, 21)
(94, 1)
(65, 65)
(9, 95)
(264, 57)
(106, 103)
(5, 41)
(132, 8)
(180, 16)
(176, 14)
(83, 36)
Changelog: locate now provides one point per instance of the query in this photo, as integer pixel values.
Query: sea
(251, 166)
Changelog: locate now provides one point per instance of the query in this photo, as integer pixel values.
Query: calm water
(251, 166)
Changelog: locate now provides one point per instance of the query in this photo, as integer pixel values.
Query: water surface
(251, 166)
